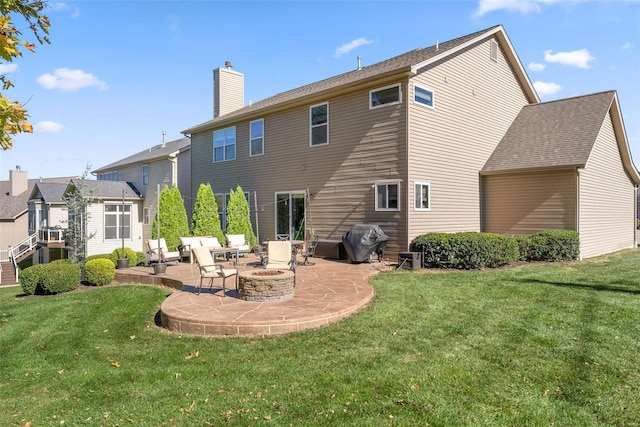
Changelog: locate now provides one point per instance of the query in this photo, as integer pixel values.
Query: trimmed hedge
(466, 250)
(52, 278)
(99, 272)
(551, 245)
(129, 254)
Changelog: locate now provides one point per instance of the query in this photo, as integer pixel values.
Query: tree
(13, 115)
(205, 220)
(173, 217)
(78, 198)
(239, 217)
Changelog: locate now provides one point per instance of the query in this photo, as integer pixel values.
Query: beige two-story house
(427, 141)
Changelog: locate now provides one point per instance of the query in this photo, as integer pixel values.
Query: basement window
(388, 196)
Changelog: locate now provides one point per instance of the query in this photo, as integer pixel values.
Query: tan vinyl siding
(13, 232)
(526, 203)
(475, 101)
(607, 201)
(58, 215)
(228, 91)
(365, 146)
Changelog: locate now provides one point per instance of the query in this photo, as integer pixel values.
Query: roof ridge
(611, 91)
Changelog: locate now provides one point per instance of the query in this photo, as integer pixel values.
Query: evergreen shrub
(466, 250)
(129, 254)
(99, 272)
(553, 245)
(52, 278)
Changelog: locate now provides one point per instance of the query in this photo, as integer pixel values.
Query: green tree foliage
(205, 220)
(78, 199)
(239, 217)
(13, 115)
(173, 217)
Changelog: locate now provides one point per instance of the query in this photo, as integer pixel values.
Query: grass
(543, 344)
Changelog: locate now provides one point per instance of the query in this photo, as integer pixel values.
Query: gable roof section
(158, 152)
(405, 64)
(12, 207)
(108, 190)
(559, 134)
(49, 192)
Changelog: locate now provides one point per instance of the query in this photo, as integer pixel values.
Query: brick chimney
(228, 90)
(18, 182)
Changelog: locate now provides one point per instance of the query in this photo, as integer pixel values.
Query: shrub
(99, 272)
(129, 254)
(467, 250)
(52, 278)
(142, 258)
(98, 256)
(552, 245)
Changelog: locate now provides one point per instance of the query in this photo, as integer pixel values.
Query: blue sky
(119, 73)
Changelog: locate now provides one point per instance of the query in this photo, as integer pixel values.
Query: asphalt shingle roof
(50, 192)
(102, 189)
(156, 152)
(13, 206)
(552, 134)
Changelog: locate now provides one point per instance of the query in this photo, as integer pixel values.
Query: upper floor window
(423, 96)
(388, 196)
(224, 144)
(145, 175)
(388, 95)
(117, 222)
(319, 121)
(422, 196)
(256, 139)
(108, 176)
(145, 216)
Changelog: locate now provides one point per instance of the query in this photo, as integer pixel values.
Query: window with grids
(388, 95)
(256, 140)
(117, 222)
(422, 196)
(319, 118)
(388, 196)
(224, 144)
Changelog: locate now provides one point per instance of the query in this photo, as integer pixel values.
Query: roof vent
(228, 64)
(359, 66)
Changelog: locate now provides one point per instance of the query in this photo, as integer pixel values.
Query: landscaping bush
(467, 250)
(142, 258)
(129, 254)
(98, 256)
(552, 245)
(52, 278)
(99, 272)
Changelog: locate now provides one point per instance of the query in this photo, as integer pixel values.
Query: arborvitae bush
(173, 218)
(239, 217)
(205, 220)
(52, 278)
(467, 250)
(99, 272)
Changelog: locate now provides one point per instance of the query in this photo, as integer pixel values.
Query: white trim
(415, 195)
(493, 50)
(387, 183)
(235, 144)
(251, 139)
(311, 125)
(379, 89)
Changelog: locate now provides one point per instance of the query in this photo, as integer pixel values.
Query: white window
(388, 95)
(117, 224)
(423, 96)
(422, 196)
(256, 139)
(224, 144)
(145, 175)
(388, 196)
(145, 216)
(494, 50)
(319, 124)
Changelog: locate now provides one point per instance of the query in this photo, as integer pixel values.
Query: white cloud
(67, 80)
(8, 68)
(48, 127)
(577, 58)
(60, 6)
(534, 66)
(348, 47)
(546, 88)
(627, 45)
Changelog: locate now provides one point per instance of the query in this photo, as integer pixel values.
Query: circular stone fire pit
(266, 285)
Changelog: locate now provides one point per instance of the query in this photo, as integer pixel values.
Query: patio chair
(237, 241)
(283, 237)
(309, 251)
(280, 256)
(158, 252)
(210, 270)
(260, 252)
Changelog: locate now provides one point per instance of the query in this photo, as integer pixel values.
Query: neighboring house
(115, 213)
(165, 165)
(427, 141)
(48, 218)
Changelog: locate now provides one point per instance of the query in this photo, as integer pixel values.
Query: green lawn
(537, 345)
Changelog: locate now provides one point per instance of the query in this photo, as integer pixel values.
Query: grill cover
(363, 240)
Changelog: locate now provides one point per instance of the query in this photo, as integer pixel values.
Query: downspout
(635, 217)
(578, 214)
(174, 170)
(407, 222)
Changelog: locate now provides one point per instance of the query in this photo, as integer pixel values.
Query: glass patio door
(290, 215)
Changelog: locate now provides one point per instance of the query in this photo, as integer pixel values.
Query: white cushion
(234, 240)
(210, 242)
(192, 242)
